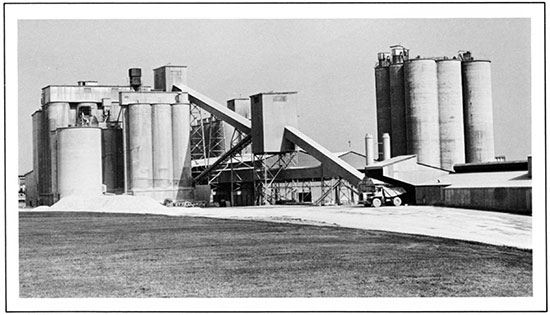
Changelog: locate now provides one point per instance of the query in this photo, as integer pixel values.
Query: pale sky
(329, 62)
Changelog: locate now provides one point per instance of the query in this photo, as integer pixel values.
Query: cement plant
(162, 191)
(174, 145)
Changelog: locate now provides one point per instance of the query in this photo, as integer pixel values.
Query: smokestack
(135, 78)
(387, 147)
(369, 149)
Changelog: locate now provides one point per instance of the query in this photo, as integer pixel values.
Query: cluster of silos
(90, 139)
(89, 113)
(157, 145)
(439, 109)
(51, 146)
(158, 160)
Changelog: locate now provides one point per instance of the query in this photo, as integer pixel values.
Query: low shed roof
(483, 179)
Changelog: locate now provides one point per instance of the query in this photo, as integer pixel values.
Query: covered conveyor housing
(329, 160)
(239, 122)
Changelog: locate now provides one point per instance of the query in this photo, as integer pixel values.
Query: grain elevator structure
(437, 108)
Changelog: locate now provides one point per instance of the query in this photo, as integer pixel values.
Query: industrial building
(439, 108)
(97, 139)
(178, 146)
(93, 139)
(438, 113)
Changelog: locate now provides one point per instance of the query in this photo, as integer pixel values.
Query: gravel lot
(463, 224)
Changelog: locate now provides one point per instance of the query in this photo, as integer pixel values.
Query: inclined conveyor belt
(327, 158)
(239, 122)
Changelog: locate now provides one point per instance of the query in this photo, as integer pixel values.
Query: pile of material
(123, 204)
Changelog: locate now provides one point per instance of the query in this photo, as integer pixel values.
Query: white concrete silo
(422, 110)
(79, 161)
(451, 119)
(478, 111)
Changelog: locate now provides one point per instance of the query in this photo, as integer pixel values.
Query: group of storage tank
(74, 135)
(156, 126)
(439, 109)
(90, 139)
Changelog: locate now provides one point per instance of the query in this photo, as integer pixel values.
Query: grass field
(128, 255)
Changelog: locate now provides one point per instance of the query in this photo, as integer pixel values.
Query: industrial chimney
(369, 149)
(135, 78)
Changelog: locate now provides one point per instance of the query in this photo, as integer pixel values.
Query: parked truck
(376, 195)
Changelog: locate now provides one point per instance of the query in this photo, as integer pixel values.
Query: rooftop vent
(135, 78)
(87, 83)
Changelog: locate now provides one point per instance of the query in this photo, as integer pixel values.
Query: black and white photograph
(275, 157)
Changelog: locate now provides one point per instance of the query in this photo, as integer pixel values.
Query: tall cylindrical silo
(383, 109)
(140, 147)
(162, 145)
(181, 149)
(79, 157)
(107, 156)
(478, 111)
(54, 163)
(38, 151)
(45, 159)
(57, 115)
(127, 159)
(451, 119)
(422, 110)
(112, 156)
(398, 117)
